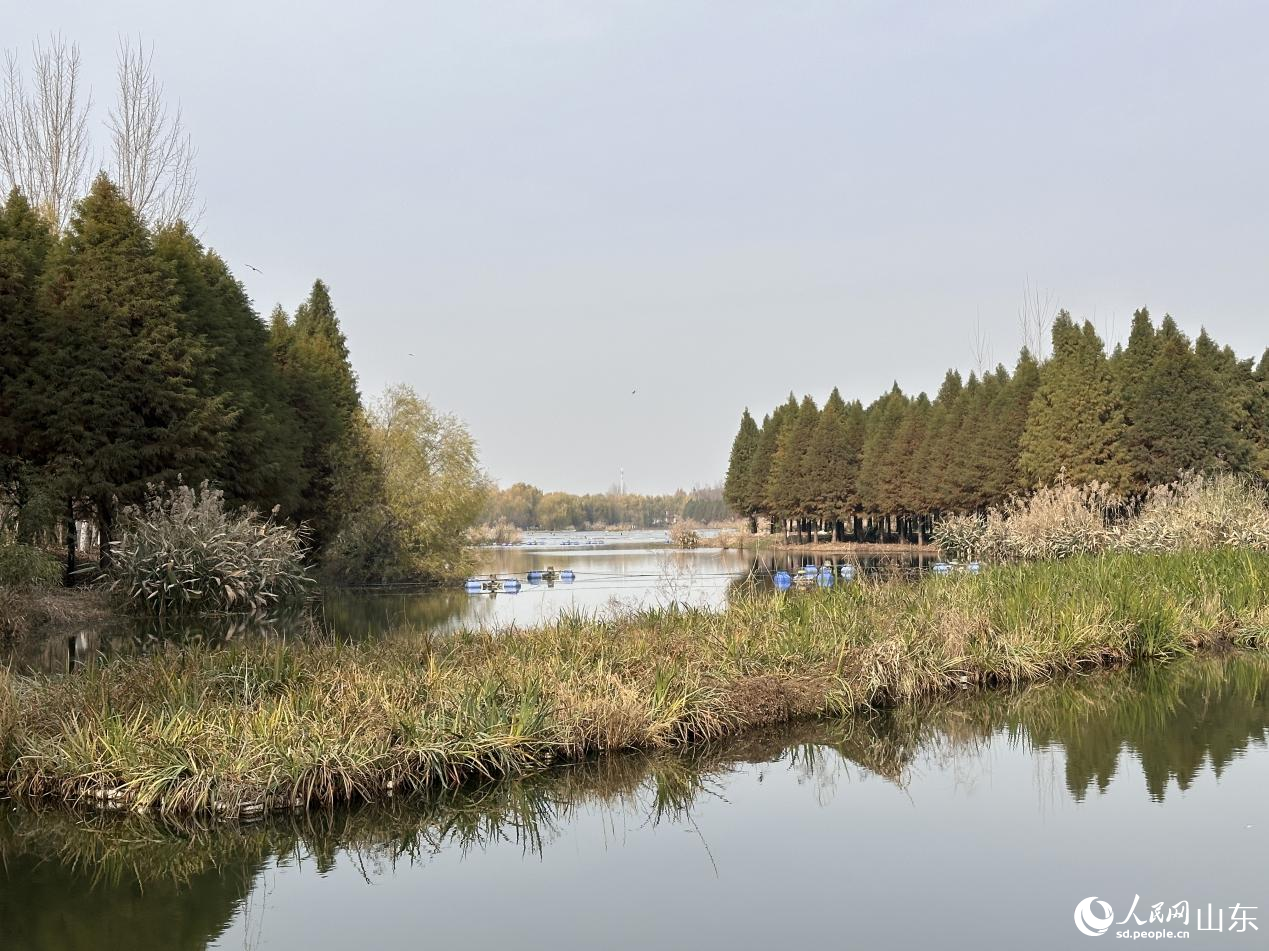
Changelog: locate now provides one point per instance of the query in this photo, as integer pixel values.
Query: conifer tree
(786, 481)
(119, 370)
(935, 456)
(876, 480)
(337, 463)
(832, 466)
(763, 457)
(262, 447)
(1179, 415)
(25, 241)
(735, 487)
(1076, 420)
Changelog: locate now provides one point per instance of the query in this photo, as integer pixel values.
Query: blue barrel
(848, 572)
(567, 575)
(783, 580)
(474, 586)
(974, 567)
(809, 570)
(534, 577)
(511, 586)
(826, 578)
(941, 568)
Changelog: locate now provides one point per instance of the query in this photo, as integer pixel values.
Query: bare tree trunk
(72, 536)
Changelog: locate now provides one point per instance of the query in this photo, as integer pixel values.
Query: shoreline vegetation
(238, 731)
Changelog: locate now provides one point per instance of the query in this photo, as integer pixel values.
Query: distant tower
(621, 481)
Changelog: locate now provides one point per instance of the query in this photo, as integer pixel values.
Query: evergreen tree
(786, 481)
(832, 466)
(743, 447)
(1076, 420)
(877, 481)
(1239, 394)
(939, 484)
(25, 241)
(262, 446)
(1131, 364)
(1180, 419)
(908, 485)
(764, 456)
(337, 466)
(1008, 419)
(119, 371)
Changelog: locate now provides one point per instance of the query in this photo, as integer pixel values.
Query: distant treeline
(131, 355)
(526, 506)
(1152, 409)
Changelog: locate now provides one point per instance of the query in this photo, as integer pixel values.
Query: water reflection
(638, 571)
(75, 882)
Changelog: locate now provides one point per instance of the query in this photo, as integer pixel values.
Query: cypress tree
(936, 455)
(1076, 419)
(908, 485)
(25, 241)
(119, 370)
(832, 468)
(262, 464)
(1009, 418)
(735, 487)
(1131, 364)
(788, 467)
(1179, 417)
(876, 479)
(1239, 394)
(764, 456)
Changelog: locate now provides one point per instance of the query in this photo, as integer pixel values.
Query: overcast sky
(553, 204)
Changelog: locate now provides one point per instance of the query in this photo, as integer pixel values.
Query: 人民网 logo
(1088, 922)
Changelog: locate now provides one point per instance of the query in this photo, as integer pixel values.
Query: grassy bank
(246, 729)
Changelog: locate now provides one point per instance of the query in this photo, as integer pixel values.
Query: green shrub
(184, 552)
(25, 565)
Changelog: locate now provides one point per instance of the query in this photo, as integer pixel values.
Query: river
(983, 821)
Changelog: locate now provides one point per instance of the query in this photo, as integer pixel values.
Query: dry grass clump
(184, 552)
(1196, 512)
(1220, 511)
(245, 729)
(684, 536)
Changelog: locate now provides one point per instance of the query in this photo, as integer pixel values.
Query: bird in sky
(254, 268)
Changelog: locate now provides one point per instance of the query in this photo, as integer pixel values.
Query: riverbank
(856, 548)
(246, 729)
(39, 612)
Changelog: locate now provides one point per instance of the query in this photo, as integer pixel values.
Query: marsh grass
(241, 730)
(1195, 513)
(185, 552)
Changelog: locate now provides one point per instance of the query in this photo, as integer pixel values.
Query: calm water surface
(614, 572)
(980, 823)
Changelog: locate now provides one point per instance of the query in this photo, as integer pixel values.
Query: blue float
(511, 586)
(826, 578)
(567, 575)
(783, 580)
(847, 572)
(974, 567)
(941, 568)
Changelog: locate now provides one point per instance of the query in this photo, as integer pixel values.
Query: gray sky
(551, 204)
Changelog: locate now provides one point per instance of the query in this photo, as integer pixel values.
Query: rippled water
(980, 822)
